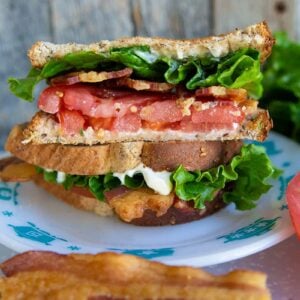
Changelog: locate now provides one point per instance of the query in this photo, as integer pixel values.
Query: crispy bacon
(13, 169)
(47, 275)
(116, 192)
(222, 93)
(141, 85)
(91, 77)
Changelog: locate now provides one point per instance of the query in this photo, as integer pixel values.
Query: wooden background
(22, 22)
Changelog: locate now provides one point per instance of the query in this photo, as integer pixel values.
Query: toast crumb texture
(257, 36)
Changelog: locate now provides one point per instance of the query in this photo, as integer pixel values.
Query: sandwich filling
(247, 172)
(238, 69)
(128, 90)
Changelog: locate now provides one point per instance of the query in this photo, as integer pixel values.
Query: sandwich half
(150, 129)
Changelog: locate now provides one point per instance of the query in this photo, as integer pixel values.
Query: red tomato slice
(79, 98)
(129, 123)
(188, 126)
(156, 125)
(101, 123)
(71, 121)
(293, 200)
(221, 113)
(50, 100)
(162, 111)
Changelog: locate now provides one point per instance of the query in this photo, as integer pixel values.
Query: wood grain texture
(22, 22)
(229, 14)
(20, 25)
(87, 21)
(297, 20)
(176, 18)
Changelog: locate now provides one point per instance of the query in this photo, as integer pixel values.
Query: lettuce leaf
(282, 86)
(23, 87)
(249, 172)
(240, 69)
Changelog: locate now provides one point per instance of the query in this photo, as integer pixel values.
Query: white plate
(31, 219)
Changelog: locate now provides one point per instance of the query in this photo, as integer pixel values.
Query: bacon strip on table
(47, 275)
(90, 77)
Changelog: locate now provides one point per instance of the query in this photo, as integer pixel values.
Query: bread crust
(119, 157)
(44, 129)
(257, 36)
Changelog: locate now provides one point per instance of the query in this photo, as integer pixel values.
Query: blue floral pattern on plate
(259, 227)
(146, 253)
(32, 232)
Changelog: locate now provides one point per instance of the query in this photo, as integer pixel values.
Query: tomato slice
(128, 123)
(50, 100)
(293, 200)
(222, 113)
(101, 123)
(71, 121)
(162, 111)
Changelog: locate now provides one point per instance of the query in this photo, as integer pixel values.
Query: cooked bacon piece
(48, 275)
(220, 92)
(117, 192)
(13, 169)
(82, 191)
(141, 85)
(91, 77)
(133, 204)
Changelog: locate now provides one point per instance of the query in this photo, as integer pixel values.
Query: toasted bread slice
(48, 275)
(257, 36)
(119, 157)
(43, 129)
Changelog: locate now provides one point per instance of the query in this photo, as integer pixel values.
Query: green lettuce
(282, 86)
(240, 69)
(249, 172)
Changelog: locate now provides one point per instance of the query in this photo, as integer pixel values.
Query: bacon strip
(13, 169)
(222, 93)
(91, 77)
(48, 275)
(141, 85)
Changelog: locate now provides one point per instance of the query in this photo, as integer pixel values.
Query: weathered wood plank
(230, 14)
(176, 19)
(21, 23)
(297, 20)
(86, 21)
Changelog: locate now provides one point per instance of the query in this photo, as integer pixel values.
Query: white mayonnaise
(60, 177)
(158, 181)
